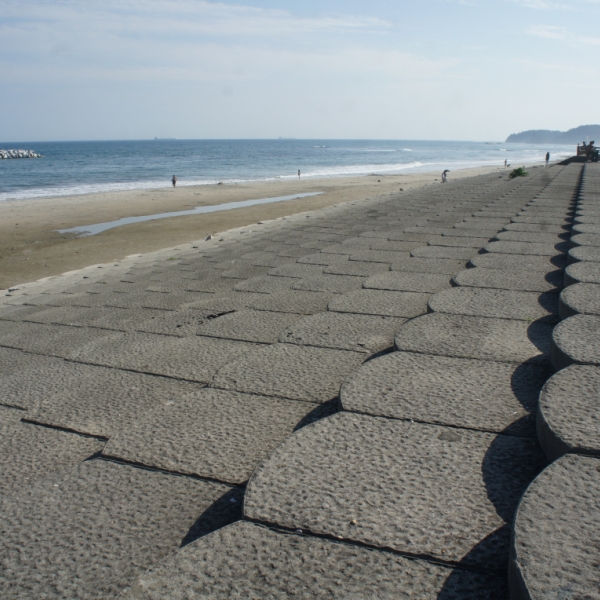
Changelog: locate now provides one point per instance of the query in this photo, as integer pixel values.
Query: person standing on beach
(298, 173)
(505, 161)
(445, 176)
(547, 158)
(174, 181)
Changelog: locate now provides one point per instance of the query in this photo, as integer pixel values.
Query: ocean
(69, 168)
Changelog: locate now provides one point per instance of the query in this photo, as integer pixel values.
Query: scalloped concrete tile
(100, 526)
(288, 371)
(257, 562)
(416, 488)
(459, 392)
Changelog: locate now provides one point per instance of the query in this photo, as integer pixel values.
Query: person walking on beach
(547, 158)
(445, 176)
(298, 173)
(505, 161)
(174, 181)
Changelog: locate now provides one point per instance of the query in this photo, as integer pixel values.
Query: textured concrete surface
(238, 431)
(290, 371)
(534, 249)
(527, 236)
(428, 265)
(503, 279)
(505, 304)
(377, 256)
(586, 220)
(353, 267)
(481, 224)
(400, 485)
(537, 228)
(359, 333)
(517, 263)
(27, 379)
(381, 302)
(554, 550)
(293, 301)
(297, 270)
(585, 239)
(481, 338)
(444, 252)
(203, 366)
(193, 358)
(460, 392)
(580, 298)
(95, 400)
(99, 526)
(576, 340)
(336, 284)
(50, 340)
(582, 272)
(583, 228)
(568, 416)
(245, 560)
(462, 242)
(29, 452)
(540, 219)
(249, 326)
(408, 282)
(584, 253)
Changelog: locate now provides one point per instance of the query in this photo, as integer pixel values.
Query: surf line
(96, 228)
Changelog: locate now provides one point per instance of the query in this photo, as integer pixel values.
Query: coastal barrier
(19, 154)
(340, 402)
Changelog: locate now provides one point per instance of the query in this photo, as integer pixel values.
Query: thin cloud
(552, 32)
(541, 4)
(191, 41)
(180, 17)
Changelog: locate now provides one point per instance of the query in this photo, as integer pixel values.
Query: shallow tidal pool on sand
(86, 230)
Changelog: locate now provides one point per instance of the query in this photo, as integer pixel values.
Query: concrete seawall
(339, 404)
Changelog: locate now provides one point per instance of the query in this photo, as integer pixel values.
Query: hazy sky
(403, 69)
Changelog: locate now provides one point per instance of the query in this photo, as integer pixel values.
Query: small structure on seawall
(19, 154)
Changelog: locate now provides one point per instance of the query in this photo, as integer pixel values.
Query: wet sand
(31, 248)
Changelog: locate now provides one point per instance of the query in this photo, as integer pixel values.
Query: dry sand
(31, 248)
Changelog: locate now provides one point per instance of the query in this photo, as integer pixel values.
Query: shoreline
(31, 248)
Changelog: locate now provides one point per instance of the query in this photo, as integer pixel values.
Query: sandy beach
(31, 247)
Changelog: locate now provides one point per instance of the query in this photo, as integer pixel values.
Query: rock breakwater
(19, 154)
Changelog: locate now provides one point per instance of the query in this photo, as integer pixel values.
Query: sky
(327, 69)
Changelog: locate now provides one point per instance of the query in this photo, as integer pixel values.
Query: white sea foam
(362, 169)
(99, 188)
(364, 150)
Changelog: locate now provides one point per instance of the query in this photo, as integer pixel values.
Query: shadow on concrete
(540, 334)
(225, 510)
(555, 278)
(526, 384)
(320, 412)
(463, 583)
(549, 301)
(510, 464)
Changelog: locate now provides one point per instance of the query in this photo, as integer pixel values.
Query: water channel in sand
(86, 230)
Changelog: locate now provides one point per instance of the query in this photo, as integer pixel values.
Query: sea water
(69, 168)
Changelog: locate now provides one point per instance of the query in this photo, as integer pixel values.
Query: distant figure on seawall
(445, 176)
(174, 181)
(547, 158)
(298, 173)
